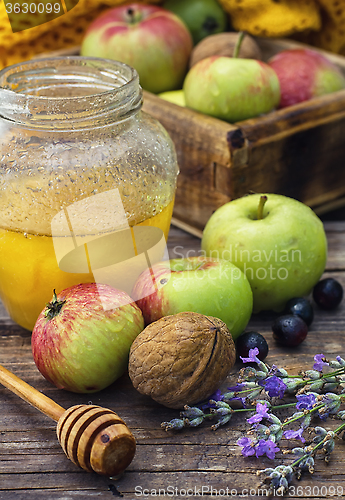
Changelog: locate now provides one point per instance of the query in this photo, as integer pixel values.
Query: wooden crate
(298, 151)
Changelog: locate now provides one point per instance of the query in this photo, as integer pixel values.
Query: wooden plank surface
(205, 462)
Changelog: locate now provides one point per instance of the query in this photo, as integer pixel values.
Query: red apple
(152, 40)
(303, 74)
(81, 340)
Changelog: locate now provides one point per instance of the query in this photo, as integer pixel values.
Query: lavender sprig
(319, 392)
(310, 403)
(192, 416)
(279, 478)
(269, 382)
(277, 382)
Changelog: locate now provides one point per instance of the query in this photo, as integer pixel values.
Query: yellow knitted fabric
(318, 22)
(332, 35)
(61, 33)
(269, 18)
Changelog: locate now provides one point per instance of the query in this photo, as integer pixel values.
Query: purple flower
(266, 447)
(274, 386)
(261, 412)
(248, 446)
(320, 362)
(252, 356)
(217, 396)
(290, 434)
(271, 450)
(305, 401)
(258, 448)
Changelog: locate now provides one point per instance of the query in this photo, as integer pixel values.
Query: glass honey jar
(87, 180)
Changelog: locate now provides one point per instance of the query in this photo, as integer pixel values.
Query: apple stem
(133, 16)
(238, 44)
(262, 202)
(54, 307)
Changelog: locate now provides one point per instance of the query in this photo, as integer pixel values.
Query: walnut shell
(181, 359)
(223, 44)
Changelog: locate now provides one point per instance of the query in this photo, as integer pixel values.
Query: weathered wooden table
(187, 464)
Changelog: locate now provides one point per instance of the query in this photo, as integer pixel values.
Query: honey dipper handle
(30, 394)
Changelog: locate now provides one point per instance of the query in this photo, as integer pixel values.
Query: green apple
(174, 96)
(211, 287)
(278, 242)
(202, 17)
(231, 88)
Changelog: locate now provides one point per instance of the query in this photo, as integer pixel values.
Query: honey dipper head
(96, 439)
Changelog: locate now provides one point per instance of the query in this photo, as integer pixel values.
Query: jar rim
(40, 64)
(62, 89)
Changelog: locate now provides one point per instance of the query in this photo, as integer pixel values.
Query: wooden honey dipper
(94, 438)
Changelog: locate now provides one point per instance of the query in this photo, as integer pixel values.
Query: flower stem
(287, 405)
(312, 410)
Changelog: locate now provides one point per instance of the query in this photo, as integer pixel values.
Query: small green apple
(202, 17)
(174, 96)
(207, 286)
(280, 245)
(231, 88)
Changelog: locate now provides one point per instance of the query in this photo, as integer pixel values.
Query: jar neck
(69, 93)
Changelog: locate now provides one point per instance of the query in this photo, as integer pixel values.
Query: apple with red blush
(231, 88)
(304, 74)
(81, 339)
(150, 39)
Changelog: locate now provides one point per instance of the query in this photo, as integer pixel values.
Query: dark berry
(289, 330)
(301, 307)
(250, 340)
(328, 293)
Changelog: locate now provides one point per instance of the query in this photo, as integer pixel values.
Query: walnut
(181, 359)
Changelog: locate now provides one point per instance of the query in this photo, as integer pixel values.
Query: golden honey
(29, 271)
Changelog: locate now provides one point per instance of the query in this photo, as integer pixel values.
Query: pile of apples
(257, 252)
(160, 41)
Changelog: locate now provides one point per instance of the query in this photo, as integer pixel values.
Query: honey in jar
(87, 180)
